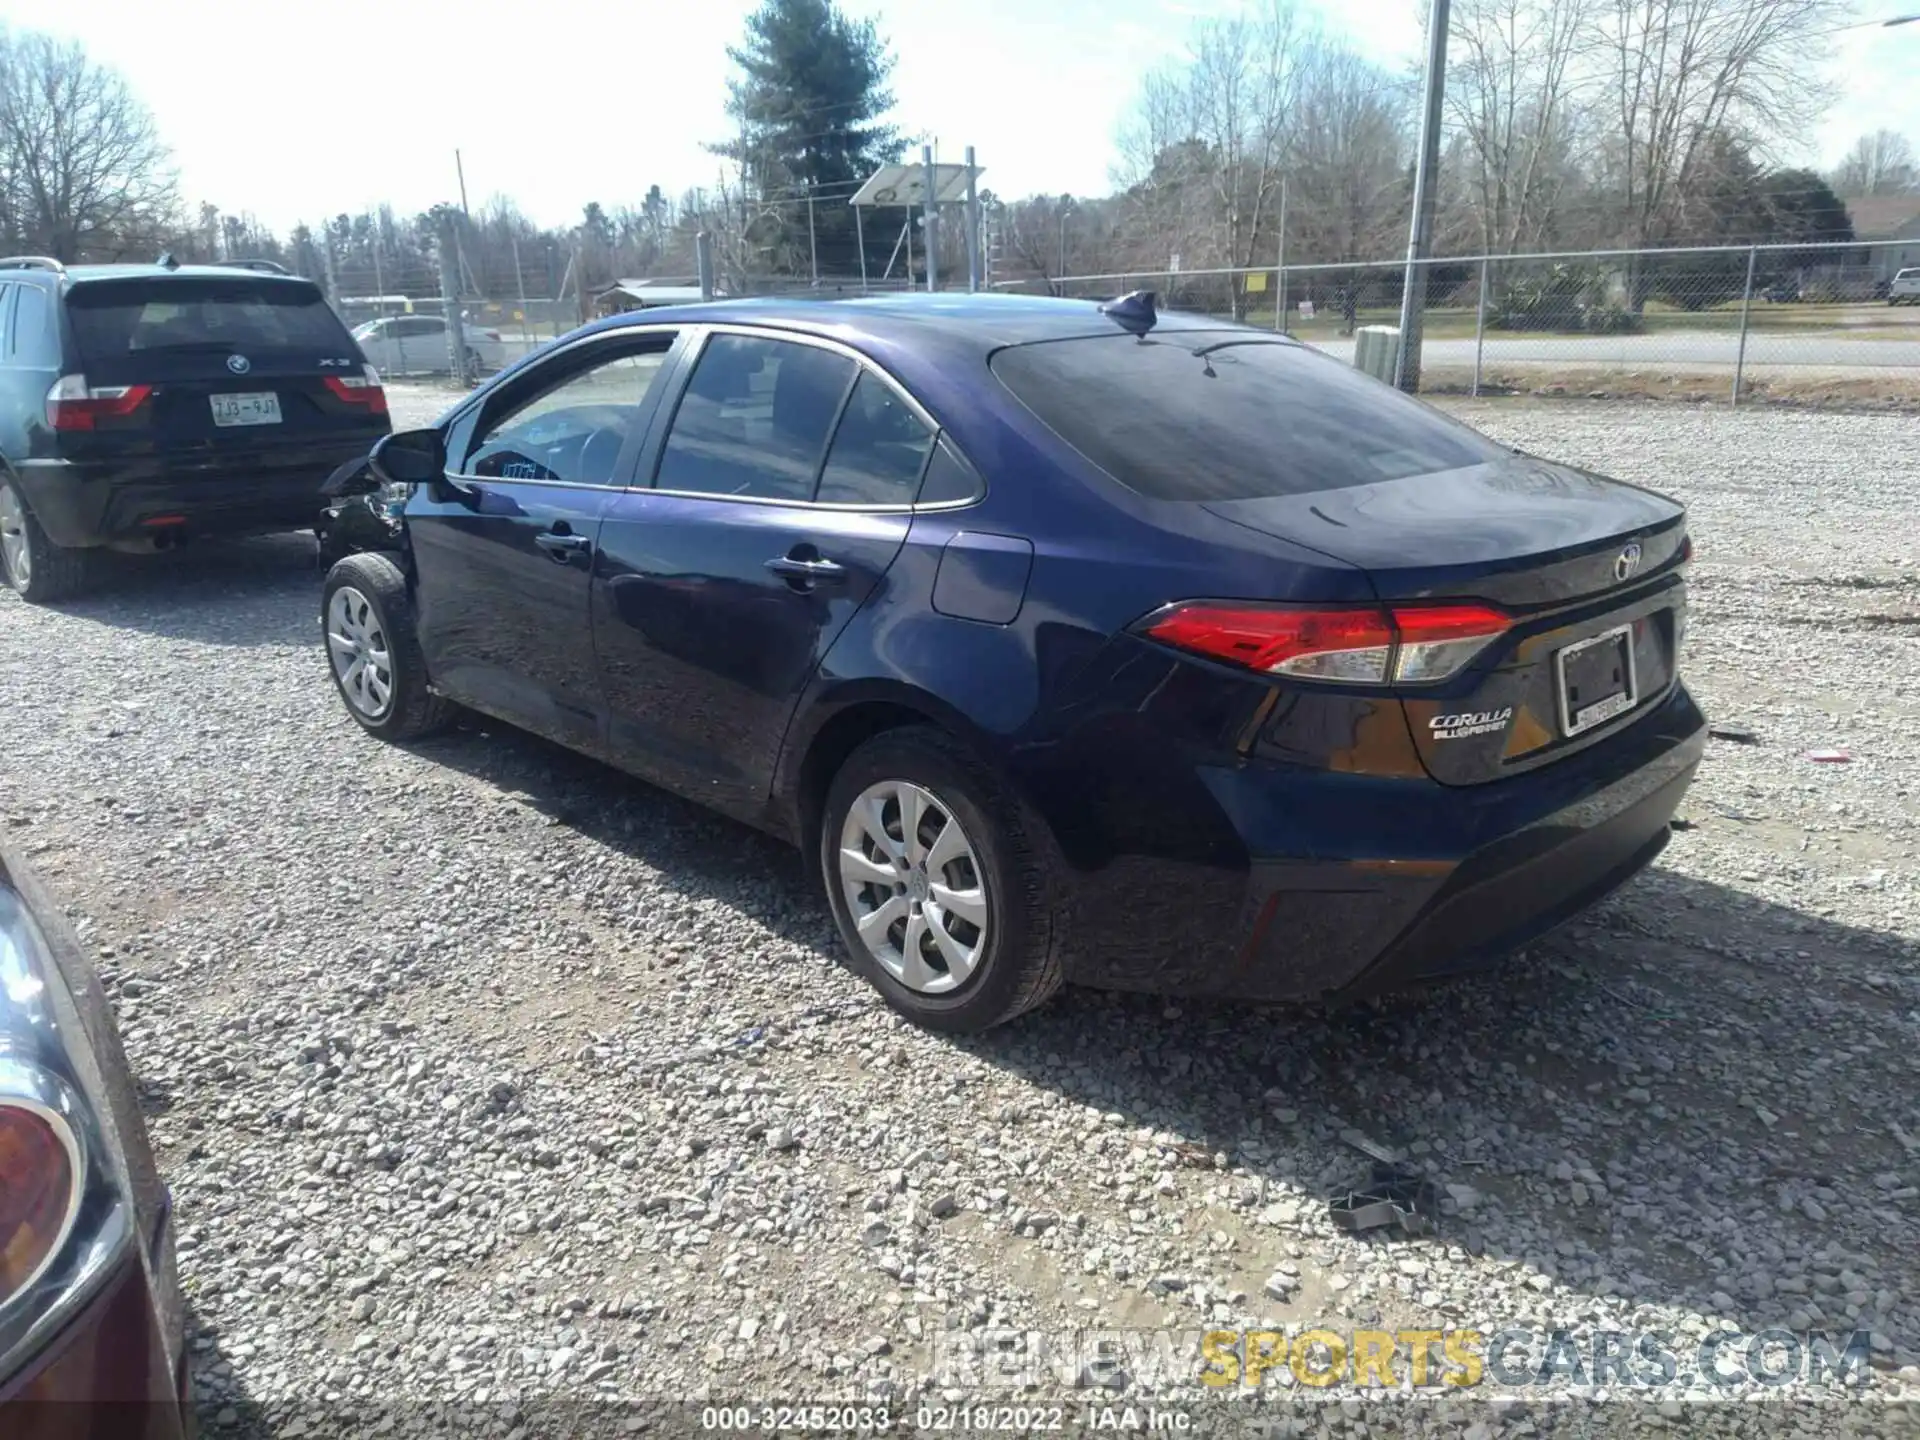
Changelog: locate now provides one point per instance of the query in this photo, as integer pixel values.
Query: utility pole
(703, 259)
(973, 227)
(1406, 373)
(520, 284)
(326, 265)
(1064, 211)
(813, 244)
(461, 171)
(1280, 267)
(933, 219)
(450, 308)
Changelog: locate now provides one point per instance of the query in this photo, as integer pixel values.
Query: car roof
(980, 322)
(82, 274)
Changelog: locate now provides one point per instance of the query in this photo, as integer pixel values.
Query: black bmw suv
(142, 405)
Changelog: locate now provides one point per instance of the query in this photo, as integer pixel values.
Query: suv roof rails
(32, 262)
(265, 267)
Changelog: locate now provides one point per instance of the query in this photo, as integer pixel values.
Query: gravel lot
(482, 1072)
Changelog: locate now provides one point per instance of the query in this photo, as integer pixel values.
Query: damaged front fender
(362, 514)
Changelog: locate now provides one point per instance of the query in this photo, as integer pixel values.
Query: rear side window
(114, 319)
(1172, 418)
(34, 342)
(879, 450)
(754, 419)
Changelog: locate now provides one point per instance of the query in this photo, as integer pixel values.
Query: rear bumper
(1391, 882)
(95, 502)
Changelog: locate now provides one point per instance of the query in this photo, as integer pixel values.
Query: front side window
(572, 432)
(754, 419)
(879, 450)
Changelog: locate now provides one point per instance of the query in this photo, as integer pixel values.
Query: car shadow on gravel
(223, 1406)
(259, 591)
(1690, 1096)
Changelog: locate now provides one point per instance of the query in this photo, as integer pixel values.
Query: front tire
(373, 654)
(39, 571)
(937, 879)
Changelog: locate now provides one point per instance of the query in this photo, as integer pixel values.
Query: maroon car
(91, 1323)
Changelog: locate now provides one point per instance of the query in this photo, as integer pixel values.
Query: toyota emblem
(1626, 562)
(239, 364)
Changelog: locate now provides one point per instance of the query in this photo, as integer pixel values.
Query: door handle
(561, 546)
(808, 570)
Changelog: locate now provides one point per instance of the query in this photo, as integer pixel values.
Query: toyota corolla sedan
(1069, 642)
(91, 1322)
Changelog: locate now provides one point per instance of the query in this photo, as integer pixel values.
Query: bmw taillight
(363, 390)
(72, 404)
(1402, 644)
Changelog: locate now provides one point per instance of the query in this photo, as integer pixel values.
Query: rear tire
(39, 571)
(367, 619)
(947, 868)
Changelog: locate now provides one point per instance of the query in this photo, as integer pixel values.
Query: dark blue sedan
(1068, 642)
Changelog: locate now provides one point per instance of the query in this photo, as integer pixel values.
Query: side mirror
(410, 457)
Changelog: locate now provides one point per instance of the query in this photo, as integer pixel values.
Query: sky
(296, 111)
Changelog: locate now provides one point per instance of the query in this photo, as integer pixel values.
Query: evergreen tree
(810, 103)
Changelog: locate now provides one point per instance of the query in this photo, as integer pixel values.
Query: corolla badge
(1469, 723)
(1626, 562)
(239, 364)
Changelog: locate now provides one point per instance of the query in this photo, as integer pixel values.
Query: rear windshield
(132, 317)
(1173, 419)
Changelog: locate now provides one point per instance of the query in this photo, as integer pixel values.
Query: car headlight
(66, 1214)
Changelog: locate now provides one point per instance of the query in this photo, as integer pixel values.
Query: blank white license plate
(258, 407)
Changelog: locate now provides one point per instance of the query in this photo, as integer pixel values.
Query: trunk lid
(1571, 557)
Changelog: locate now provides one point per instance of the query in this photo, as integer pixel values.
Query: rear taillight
(362, 390)
(74, 405)
(1686, 549)
(40, 1186)
(1408, 645)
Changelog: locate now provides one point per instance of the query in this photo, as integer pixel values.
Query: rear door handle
(561, 546)
(814, 571)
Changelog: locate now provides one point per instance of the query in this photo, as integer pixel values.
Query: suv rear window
(117, 318)
(1172, 418)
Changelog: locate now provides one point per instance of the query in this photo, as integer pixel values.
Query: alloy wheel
(914, 886)
(15, 556)
(357, 648)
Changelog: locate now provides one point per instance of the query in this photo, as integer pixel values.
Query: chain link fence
(1806, 321)
(1772, 321)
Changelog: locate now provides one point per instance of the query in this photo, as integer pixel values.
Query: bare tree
(1878, 164)
(1224, 114)
(1346, 159)
(82, 169)
(1511, 93)
(1681, 75)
